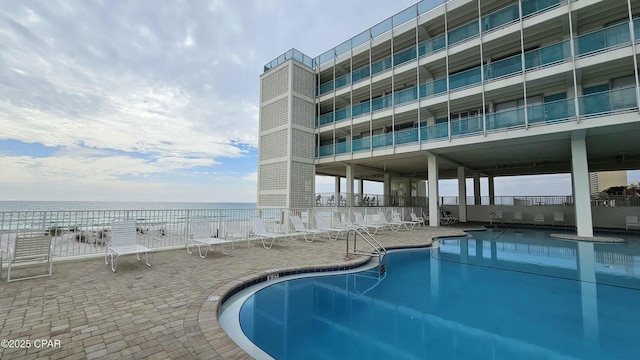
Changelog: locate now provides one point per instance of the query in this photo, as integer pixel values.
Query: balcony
(591, 105)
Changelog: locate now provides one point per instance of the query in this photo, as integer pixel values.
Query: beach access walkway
(167, 311)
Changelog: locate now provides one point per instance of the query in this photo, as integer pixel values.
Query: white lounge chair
(259, 230)
(324, 226)
(446, 218)
(397, 219)
(496, 216)
(632, 222)
(417, 219)
(124, 241)
(308, 234)
(235, 231)
(538, 219)
(517, 217)
(360, 221)
(393, 225)
(201, 236)
(558, 217)
(30, 248)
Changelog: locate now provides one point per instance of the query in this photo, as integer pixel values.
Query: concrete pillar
(462, 195)
(476, 189)
(434, 196)
(387, 190)
(336, 196)
(580, 176)
(349, 199)
(492, 191)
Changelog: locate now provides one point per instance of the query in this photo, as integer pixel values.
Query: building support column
(476, 189)
(349, 199)
(434, 196)
(387, 190)
(492, 191)
(360, 192)
(462, 195)
(580, 177)
(336, 196)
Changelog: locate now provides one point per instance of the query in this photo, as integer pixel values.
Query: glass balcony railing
(404, 56)
(325, 88)
(406, 136)
(434, 132)
(552, 111)
(326, 150)
(360, 74)
(343, 80)
(361, 144)
(467, 126)
(538, 114)
(406, 95)
(325, 119)
(465, 78)
(380, 66)
(608, 101)
(432, 45)
(548, 55)
(382, 140)
(504, 67)
(381, 103)
(501, 17)
(505, 119)
(343, 148)
(636, 29)
(464, 32)
(433, 88)
(533, 6)
(361, 109)
(604, 39)
(342, 114)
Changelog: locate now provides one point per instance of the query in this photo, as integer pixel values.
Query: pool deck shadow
(165, 311)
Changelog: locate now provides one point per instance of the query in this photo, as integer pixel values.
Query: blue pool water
(497, 295)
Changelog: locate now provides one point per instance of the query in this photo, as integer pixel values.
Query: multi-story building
(457, 89)
(601, 181)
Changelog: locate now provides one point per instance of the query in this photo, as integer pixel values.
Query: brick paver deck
(158, 312)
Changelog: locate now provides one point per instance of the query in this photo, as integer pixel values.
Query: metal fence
(371, 200)
(82, 233)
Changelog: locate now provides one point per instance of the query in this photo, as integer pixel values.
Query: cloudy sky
(149, 100)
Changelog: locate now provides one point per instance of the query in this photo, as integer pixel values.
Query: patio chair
(558, 217)
(496, 216)
(259, 230)
(235, 231)
(31, 248)
(324, 226)
(425, 216)
(538, 219)
(201, 237)
(417, 219)
(360, 221)
(393, 225)
(397, 219)
(632, 222)
(517, 216)
(299, 227)
(446, 218)
(124, 241)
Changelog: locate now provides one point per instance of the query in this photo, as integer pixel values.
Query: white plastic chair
(324, 226)
(558, 217)
(517, 216)
(538, 219)
(299, 227)
(446, 218)
(30, 248)
(417, 219)
(124, 241)
(360, 221)
(201, 237)
(259, 230)
(632, 222)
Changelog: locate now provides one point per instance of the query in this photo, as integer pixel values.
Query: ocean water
(117, 205)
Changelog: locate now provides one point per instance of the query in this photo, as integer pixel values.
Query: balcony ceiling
(608, 148)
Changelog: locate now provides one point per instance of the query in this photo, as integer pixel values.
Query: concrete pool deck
(165, 311)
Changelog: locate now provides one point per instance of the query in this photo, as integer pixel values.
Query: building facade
(477, 88)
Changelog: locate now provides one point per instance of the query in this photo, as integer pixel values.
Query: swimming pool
(504, 294)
